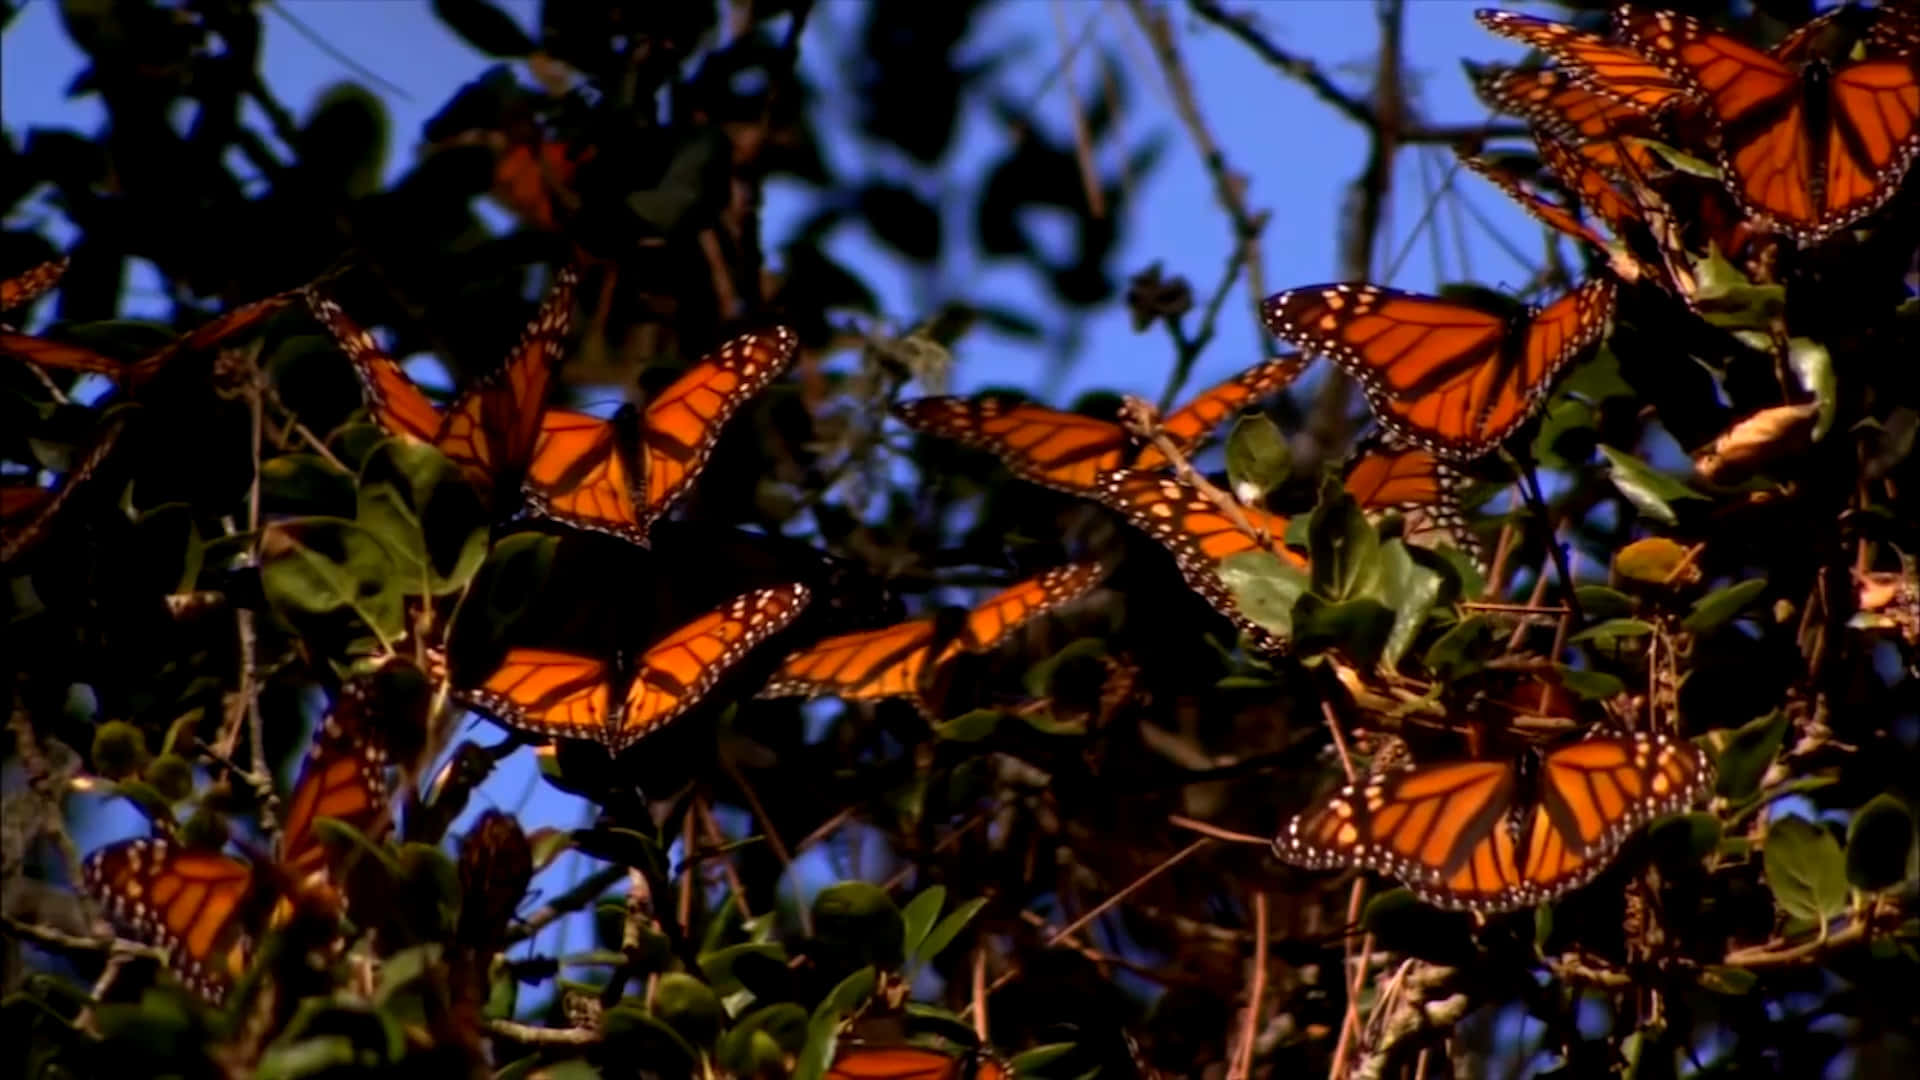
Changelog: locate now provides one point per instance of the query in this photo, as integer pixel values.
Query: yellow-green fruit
(119, 750)
(689, 1007)
(172, 776)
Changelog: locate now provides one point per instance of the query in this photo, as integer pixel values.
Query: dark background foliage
(635, 139)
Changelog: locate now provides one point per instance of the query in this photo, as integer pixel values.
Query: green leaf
(485, 27)
(1027, 1061)
(1343, 550)
(1747, 754)
(968, 727)
(1264, 588)
(419, 504)
(1600, 602)
(1880, 849)
(1650, 492)
(1460, 651)
(1411, 591)
(1813, 366)
(1606, 633)
(636, 1035)
(1258, 458)
(689, 1007)
(1589, 685)
(1719, 607)
(851, 992)
(861, 917)
(322, 565)
(1358, 627)
(917, 918)
(1732, 981)
(305, 484)
(306, 1057)
(1805, 870)
(514, 577)
(949, 928)
(1654, 560)
(717, 965)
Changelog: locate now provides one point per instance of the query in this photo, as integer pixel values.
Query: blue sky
(1298, 154)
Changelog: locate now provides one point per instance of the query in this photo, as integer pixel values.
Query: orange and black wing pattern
(1451, 378)
(547, 692)
(679, 428)
(865, 665)
(1808, 166)
(675, 673)
(23, 289)
(1619, 71)
(867, 1061)
(344, 777)
(1384, 475)
(583, 473)
(29, 510)
(1521, 189)
(996, 618)
(1462, 835)
(1596, 126)
(194, 905)
(1199, 535)
(1061, 450)
(1190, 425)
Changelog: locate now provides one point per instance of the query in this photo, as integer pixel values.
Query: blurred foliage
(769, 885)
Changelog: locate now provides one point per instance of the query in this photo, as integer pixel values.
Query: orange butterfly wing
(1198, 535)
(1385, 476)
(1592, 124)
(547, 692)
(396, 403)
(58, 354)
(1618, 71)
(193, 905)
(681, 426)
(581, 474)
(343, 777)
(1522, 191)
(995, 619)
(492, 429)
(862, 1062)
(23, 289)
(1451, 378)
(28, 515)
(1061, 450)
(1594, 793)
(677, 671)
(1189, 425)
(866, 665)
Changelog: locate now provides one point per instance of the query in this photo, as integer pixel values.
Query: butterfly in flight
(206, 908)
(568, 696)
(1384, 475)
(854, 1060)
(906, 659)
(1492, 836)
(618, 476)
(1069, 452)
(1454, 379)
(490, 430)
(1200, 535)
(1808, 144)
(24, 288)
(135, 374)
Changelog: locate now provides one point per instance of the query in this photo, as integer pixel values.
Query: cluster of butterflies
(1811, 137)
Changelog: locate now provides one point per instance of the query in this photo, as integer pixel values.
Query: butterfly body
(1496, 835)
(567, 695)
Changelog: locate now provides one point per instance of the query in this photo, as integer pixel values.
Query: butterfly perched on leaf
(1453, 378)
(491, 429)
(619, 476)
(1200, 535)
(1383, 475)
(857, 1060)
(67, 356)
(206, 908)
(24, 288)
(1491, 836)
(570, 696)
(1805, 142)
(1069, 452)
(905, 659)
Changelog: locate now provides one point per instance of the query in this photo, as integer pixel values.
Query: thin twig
(1243, 1061)
(533, 1035)
(768, 830)
(1105, 905)
(1082, 136)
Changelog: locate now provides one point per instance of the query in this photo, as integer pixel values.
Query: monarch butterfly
(866, 1061)
(608, 476)
(1495, 835)
(26, 510)
(1069, 452)
(1617, 71)
(1454, 379)
(204, 908)
(70, 357)
(489, 431)
(25, 288)
(565, 695)
(1806, 145)
(902, 660)
(1200, 535)
(1593, 124)
(1384, 475)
